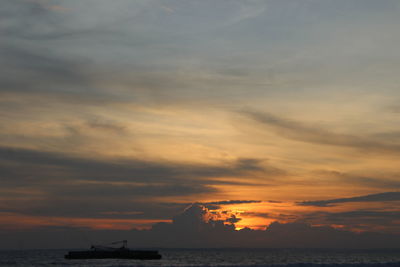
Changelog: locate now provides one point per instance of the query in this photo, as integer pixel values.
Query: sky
(259, 115)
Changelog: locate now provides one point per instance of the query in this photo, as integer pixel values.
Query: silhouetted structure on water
(123, 252)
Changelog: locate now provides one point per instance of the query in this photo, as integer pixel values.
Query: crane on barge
(107, 252)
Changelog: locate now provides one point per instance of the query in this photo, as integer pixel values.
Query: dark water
(217, 257)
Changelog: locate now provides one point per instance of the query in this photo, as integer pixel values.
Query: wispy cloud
(213, 205)
(379, 180)
(229, 202)
(357, 220)
(304, 132)
(59, 178)
(386, 196)
(123, 109)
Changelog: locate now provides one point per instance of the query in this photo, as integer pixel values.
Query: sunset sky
(120, 114)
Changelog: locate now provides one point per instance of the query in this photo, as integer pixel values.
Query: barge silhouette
(123, 252)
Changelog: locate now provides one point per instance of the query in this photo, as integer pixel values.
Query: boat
(105, 252)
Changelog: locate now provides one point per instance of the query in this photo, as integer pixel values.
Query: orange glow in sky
(121, 114)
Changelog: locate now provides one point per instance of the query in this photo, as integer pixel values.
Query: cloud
(115, 207)
(256, 214)
(133, 191)
(65, 51)
(280, 217)
(77, 75)
(44, 182)
(360, 217)
(229, 202)
(195, 217)
(197, 227)
(394, 108)
(213, 205)
(386, 196)
(357, 220)
(32, 70)
(298, 131)
(43, 49)
(134, 170)
(106, 125)
(379, 181)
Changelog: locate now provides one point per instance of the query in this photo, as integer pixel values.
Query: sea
(217, 257)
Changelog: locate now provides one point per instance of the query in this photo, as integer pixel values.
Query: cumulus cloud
(196, 222)
(78, 76)
(196, 227)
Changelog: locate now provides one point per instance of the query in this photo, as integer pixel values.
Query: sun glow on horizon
(188, 116)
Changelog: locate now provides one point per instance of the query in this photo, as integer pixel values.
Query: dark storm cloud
(311, 134)
(386, 196)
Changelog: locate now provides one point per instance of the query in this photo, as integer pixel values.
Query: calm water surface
(217, 257)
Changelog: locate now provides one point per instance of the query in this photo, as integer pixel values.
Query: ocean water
(217, 257)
